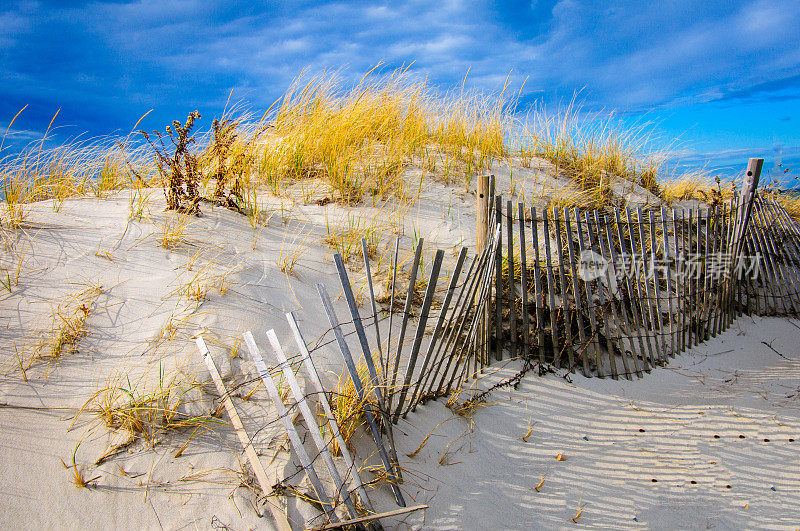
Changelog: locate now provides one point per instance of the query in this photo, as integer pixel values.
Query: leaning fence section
(610, 293)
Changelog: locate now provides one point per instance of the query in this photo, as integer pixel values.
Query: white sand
(141, 324)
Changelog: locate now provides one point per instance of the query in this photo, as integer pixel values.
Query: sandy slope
(142, 322)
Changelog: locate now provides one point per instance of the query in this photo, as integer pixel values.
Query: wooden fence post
(749, 185)
(482, 193)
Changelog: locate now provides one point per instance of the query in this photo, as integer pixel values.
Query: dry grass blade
(348, 408)
(146, 414)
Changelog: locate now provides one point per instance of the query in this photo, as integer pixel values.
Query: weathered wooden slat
(461, 320)
(551, 297)
(678, 264)
(523, 262)
(628, 249)
(342, 489)
(591, 306)
(657, 287)
(412, 283)
(537, 285)
(767, 298)
(365, 253)
(358, 324)
(647, 299)
(632, 295)
(322, 398)
(773, 259)
(652, 311)
(638, 262)
(787, 245)
(443, 348)
(390, 468)
(294, 437)
(512, 295)
(610, 339)
(418, 390)
(716, 282)
(711, 259)
(729, 282)
(759, 296)
(726, 280)
(704, 249)
(370, 518)
(668, 275)
(577, 299)
(475, 325)
(391, 318)
(277, 507)
(420, 333)
(562, 282)
(692, 292)
(498, 279)
(619, 303)
(624, 341)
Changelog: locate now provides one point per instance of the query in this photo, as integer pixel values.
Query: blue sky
(720, 77)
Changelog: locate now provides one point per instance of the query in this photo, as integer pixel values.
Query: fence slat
(412, 283)
(443, 349)
(775, 285)
(788, 246)
(390, 468)
(512, 275)
(523, 262)
(565, 303)
(625, 341)
(668, 275)
(498, 279)
(620, 304)
(577, 298)
(294, 437)
(590, 304)
(391, 316)
(311, 370)
(438, 329)
(358, 324)
(461, 320)
(276, 506)
(656, 285)
(311, 423)
(610, 340)
(551, 298)
(421, 322)
(537, 285)
(632, 285)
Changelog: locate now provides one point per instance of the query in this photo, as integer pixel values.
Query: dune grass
(594, 150)
(69, 324)
(355, 139)
(698, 186)
(145, 413)
(348, 408)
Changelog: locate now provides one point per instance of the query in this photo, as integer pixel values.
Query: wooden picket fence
(617, 292)
(611, 293)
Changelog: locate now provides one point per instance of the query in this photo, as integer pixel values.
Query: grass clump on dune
(69, 324)
(593, 151)
(698, 186)
(348, 408)
(360, 139)
(355, 140)
(146, 413)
